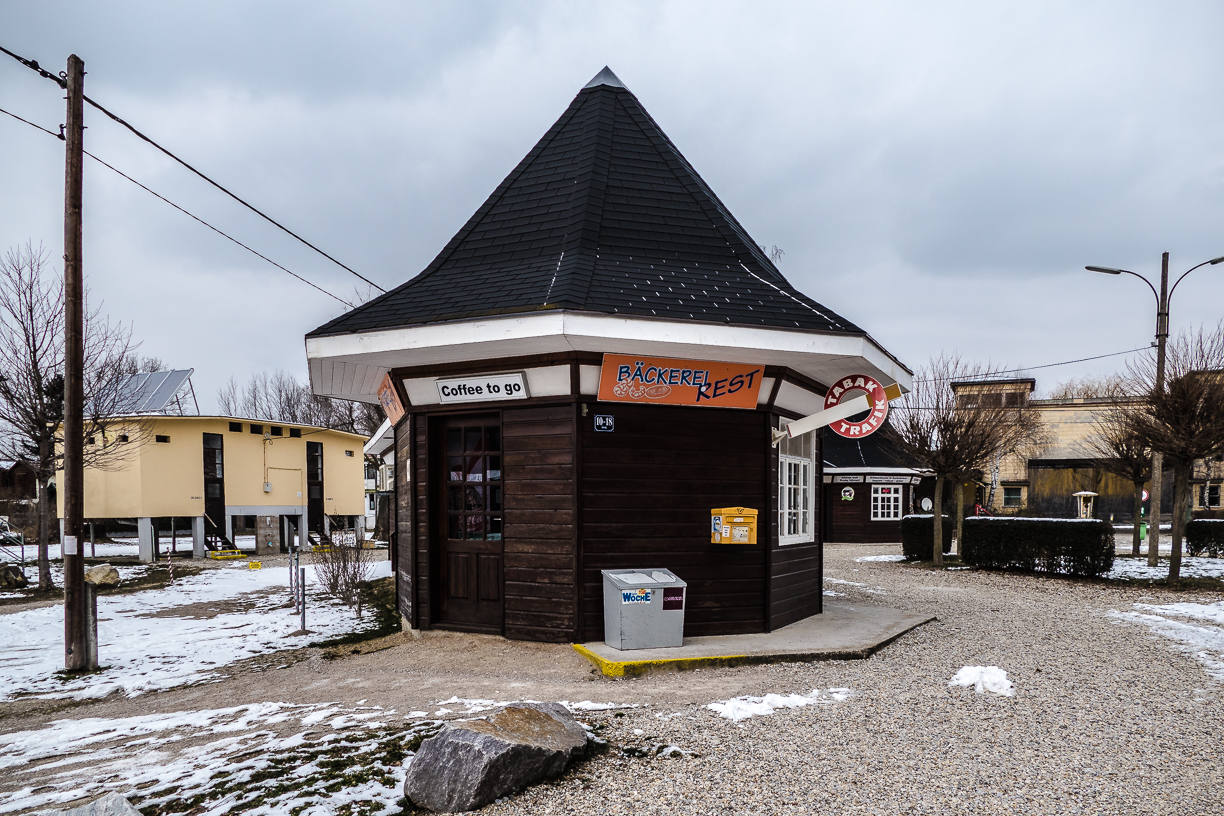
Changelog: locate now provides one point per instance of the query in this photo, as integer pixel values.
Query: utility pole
(1162, 334)
(77, 654)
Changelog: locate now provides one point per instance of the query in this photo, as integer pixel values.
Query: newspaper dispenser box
(643, 609)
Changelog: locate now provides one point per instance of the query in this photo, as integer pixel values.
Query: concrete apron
(841, 632)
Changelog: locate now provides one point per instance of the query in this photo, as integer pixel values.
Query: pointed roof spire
(605, 77)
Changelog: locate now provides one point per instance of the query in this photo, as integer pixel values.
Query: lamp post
(1162, 334)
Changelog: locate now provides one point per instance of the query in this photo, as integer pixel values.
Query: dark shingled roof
(874, 451)
(603, 215)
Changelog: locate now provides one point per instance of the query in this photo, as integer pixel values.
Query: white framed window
(795, 517)
(886, 502)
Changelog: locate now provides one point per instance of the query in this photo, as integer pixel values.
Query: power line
(33, 65)
(185, 212)
(995, 374)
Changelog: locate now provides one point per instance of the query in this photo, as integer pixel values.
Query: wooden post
(76, 645)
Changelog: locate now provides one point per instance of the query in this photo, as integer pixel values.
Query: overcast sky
(937, 173)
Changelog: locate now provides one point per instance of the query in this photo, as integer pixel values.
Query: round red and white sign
(848, 388)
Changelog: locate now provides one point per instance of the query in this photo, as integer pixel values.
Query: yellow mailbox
(733, 525)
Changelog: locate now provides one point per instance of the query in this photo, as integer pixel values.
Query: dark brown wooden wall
(850, 521)
(646, 494)
(796, 571)
(540, 558)
(404, 562)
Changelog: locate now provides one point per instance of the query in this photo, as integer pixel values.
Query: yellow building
(292, 478)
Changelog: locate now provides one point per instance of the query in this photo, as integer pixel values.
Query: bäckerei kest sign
(664, 381)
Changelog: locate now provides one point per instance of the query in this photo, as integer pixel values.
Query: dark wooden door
(469, 501)
(214, 485)
(314, 487)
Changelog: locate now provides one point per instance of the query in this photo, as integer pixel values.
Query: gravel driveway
(1107, 717)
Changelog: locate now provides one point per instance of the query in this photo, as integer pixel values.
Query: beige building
(1043, 481)
(291, 478)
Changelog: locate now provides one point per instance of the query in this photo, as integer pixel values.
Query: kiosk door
(470, 552)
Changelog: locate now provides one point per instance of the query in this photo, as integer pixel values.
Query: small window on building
(236, 427)
(886, 502)
(89, 440)
(348, 453)
(796, 490)
(1209, 496)
(256, 429)
(1011, 497)
(160, 438)
(123, 437)
(295, 433)
(276, 431)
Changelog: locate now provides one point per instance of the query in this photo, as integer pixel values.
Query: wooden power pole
(77, 654)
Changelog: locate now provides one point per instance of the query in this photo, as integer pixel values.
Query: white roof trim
(882, 470)
(351, 366)
(382, 440)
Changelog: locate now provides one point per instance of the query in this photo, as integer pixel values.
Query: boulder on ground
(112, 804)
(102, 575)
(12, 577)
(469, 764)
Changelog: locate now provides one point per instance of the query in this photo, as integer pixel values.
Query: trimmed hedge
(918, 536)
(1205, 536)
(1068, 546)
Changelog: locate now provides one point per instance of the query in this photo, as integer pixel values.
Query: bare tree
(32, 381)
(1118, 449)
(1107, 386)
(280, 397)
(1184, 420)
(952, 436)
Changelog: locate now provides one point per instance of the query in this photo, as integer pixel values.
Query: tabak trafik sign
(849, 387)
(665, 381)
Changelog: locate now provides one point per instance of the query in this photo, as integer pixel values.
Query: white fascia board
(822, 356)
(881, 470)
(382, 440)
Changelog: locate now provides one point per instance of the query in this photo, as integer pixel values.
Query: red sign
(390, 401)
(849, 387)
(663, 381)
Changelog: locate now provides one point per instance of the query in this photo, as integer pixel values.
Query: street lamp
(1162, 334)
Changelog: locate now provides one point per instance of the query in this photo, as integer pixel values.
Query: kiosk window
(886, 502)
(794, 500)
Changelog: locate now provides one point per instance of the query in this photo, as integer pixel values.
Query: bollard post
(91, 626)
(302, 592)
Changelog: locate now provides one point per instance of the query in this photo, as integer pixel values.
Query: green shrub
(918, 536)
(1205, 536)
(1066, 546)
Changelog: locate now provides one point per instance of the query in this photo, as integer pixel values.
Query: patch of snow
(145, 647)
(984, 678)
(741, 708)
(880, 558)
(1205, 643)
(840, 581)
(587, 705)
(1129, 569)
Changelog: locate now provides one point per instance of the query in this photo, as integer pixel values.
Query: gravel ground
(1106, 717)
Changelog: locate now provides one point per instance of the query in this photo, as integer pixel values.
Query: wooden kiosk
(593, 363)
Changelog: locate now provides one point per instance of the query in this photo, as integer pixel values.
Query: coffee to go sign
(483, 388)
(664, 381)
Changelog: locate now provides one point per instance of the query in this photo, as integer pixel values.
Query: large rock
(102, 575)
(469, 764)
(112, 804)
(12, 577)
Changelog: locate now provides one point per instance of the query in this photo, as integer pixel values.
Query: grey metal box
(643, 608)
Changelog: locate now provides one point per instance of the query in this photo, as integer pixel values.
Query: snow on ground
(103, 550)
(881, 558)
(984, 678)
(1203, 640)
(146, 646)
(318, 758)
(1129, 569)
(741, 708)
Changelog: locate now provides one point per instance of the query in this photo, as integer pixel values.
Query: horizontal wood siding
(850, 521)
(538, 474)
(796, 570)
(420, 520)
(646, 494)
(403, 521)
